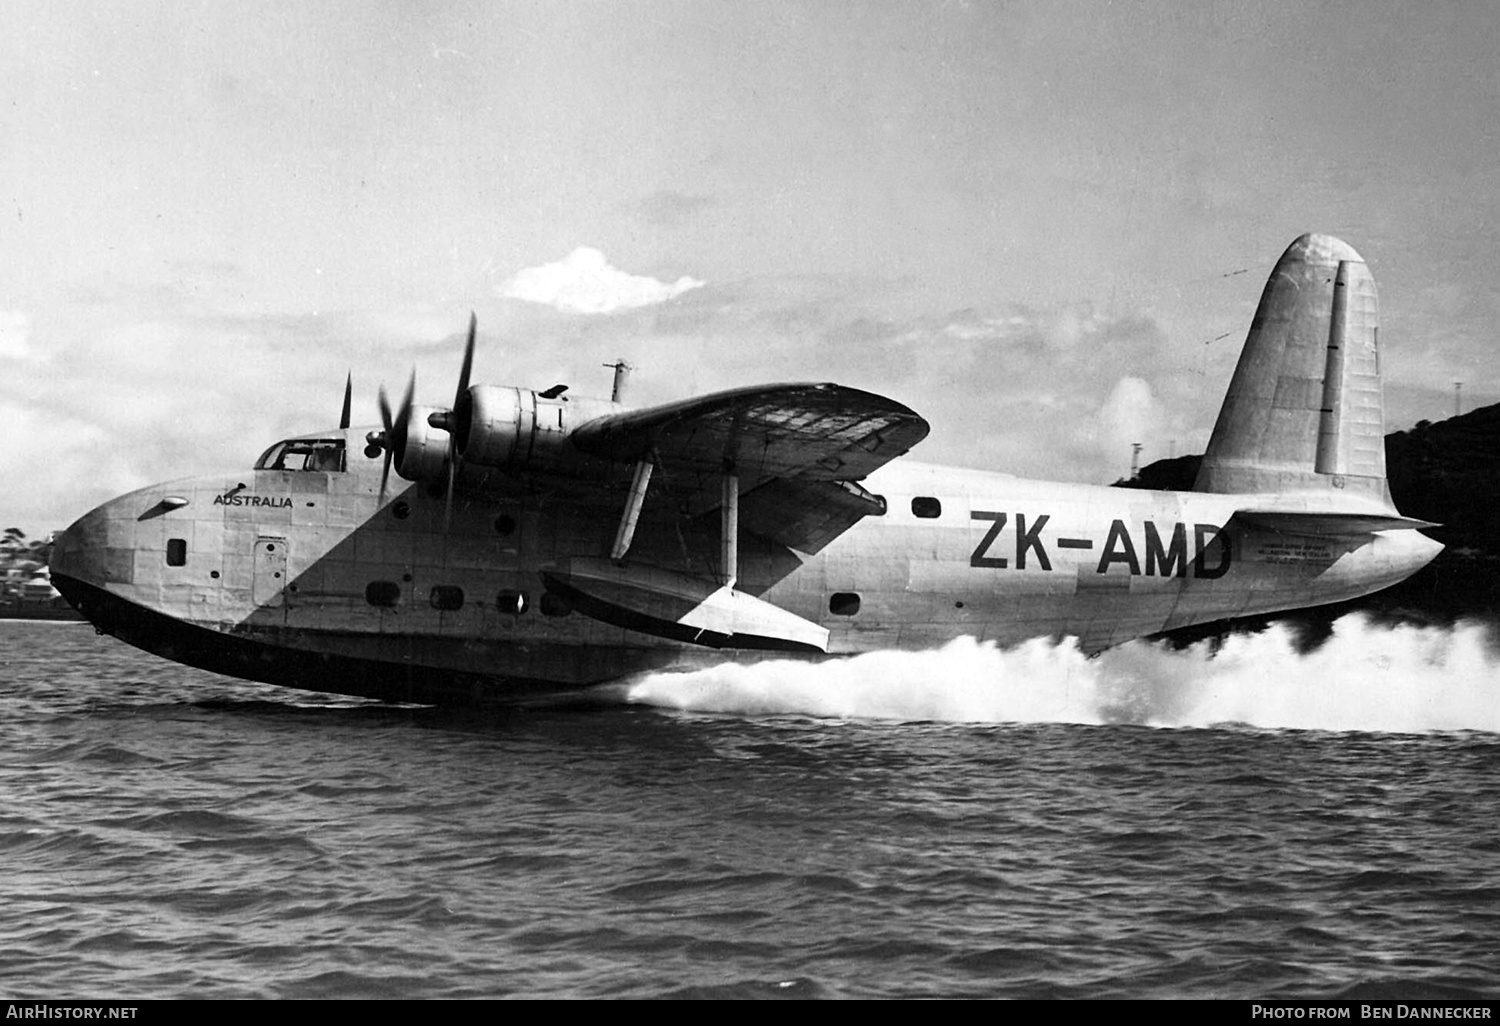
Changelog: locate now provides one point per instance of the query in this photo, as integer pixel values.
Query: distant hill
(1449, 473)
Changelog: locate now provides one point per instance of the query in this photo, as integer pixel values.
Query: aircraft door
(270, 572)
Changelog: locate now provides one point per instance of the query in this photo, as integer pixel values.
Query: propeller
(393, 437)
(451, 420)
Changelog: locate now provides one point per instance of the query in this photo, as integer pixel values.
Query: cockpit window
(325, 454)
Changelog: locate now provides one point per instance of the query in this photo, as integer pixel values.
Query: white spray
(1363, 678)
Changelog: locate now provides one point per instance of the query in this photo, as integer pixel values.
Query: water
(1255, 823)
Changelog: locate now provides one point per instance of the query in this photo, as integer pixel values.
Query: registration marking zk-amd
(1163, 551)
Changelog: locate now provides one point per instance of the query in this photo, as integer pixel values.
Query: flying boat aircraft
(537, 541)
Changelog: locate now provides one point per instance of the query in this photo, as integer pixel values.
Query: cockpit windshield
(325, 454)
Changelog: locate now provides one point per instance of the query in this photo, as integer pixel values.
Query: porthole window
(554, 604)
(447, 597)
(176, 552)
(926, 507)
(512, 602)
(843, 603)
(383, 593)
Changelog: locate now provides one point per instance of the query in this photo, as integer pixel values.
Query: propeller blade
(448, 508)
(460, 397)
(404, 415)
(385, 440)
(385, 414)
(393, 437)
(463, 376)
(348, 400)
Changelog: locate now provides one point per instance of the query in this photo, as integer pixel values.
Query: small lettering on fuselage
(1165, 548)
(240, 499)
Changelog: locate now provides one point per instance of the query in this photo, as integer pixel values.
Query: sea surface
(1250, 822)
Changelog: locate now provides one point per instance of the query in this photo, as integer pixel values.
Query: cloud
(1129, 415)
(15, 329)
(584, 282)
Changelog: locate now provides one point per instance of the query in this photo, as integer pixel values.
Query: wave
(1364, 677)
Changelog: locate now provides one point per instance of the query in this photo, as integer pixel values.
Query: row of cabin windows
(449, 598)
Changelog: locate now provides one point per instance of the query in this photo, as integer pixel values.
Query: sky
(1043, 226)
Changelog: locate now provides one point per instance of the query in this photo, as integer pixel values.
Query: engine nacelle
(501, 426)
(420, 451)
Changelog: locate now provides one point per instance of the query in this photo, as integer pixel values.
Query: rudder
(1304, 409)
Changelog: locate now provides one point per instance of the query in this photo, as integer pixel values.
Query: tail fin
(1304, 409)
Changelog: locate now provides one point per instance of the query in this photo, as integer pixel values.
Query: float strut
(626, 534)
(729, 527)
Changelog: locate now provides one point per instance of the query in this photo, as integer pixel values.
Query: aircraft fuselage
(308, 578)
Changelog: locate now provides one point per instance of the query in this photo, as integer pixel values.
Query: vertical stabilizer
(1304, 409)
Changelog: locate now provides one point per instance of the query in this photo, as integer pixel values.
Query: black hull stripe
(252, 659)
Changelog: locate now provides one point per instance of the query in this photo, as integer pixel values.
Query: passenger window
(176, 552)
(843, 603)
(926, 507)
(512, 602)
(446, 597)
(383, 593)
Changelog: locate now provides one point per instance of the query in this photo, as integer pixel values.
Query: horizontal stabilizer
(680, 607)
(1327, 524)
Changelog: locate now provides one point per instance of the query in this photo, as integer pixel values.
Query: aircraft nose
(67, 549)
(80, 557)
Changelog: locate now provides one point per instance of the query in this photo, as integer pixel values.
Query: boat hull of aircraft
(532, 553)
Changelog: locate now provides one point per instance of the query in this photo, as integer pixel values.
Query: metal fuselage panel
(313, 562)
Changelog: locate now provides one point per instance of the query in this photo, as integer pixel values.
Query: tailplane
(1304, 410)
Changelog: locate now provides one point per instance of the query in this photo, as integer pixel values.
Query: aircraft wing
(797, 449)
(822, 432)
